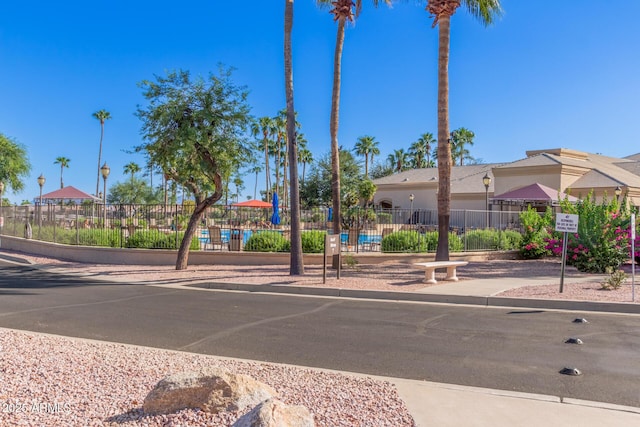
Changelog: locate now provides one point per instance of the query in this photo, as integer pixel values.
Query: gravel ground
(57, 381)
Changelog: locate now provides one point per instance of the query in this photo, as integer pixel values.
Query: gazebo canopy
(535, 194)
(252, 204)
(67, 194)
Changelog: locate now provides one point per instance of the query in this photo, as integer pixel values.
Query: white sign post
(567, 223)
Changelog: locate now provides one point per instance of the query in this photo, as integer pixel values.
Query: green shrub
(404, 241)
(313, 241)
(154, 239)
(267, 241)
(493, 240)
(455, 243)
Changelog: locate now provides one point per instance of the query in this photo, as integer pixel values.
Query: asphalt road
(509, 349)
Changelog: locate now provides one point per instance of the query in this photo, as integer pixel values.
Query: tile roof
(69, 193)
(536, 192)
(464, 179)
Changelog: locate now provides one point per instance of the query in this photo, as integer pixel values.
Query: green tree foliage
(194, 129)
(316, 190)
(14, 164)
(134, 191)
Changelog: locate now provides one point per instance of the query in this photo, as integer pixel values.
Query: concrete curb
(490, 301)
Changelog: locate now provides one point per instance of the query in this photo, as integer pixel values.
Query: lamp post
(105, 173)
(41, 181)
(411, 197)
(1, 217)
(486, 180)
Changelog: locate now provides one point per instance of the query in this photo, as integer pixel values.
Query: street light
(486, 180)
(105, 173)
(411, 197)
(41, 181)
(1, 217)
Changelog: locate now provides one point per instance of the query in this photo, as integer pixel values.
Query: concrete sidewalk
(435, 404)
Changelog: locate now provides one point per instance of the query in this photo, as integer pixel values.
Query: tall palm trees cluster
(422, 153)
(271, 135)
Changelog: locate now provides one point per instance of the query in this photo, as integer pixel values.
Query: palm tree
(398, 160)
(418, 154)
(305, 156)
(101, 115)
(428, 142)
(296, 264)
(64, 163)
(442, 10)
(342, 11)
(459, 138)
(131, 168)
(266, 127)
(367, 146)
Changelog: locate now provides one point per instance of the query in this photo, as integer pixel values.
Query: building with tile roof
(562, 170)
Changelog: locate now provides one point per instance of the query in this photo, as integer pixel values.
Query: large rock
(211, 391)
(274, 413)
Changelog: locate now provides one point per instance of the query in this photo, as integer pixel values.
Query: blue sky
(560, 74)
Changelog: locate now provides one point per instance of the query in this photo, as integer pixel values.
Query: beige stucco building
(564, 170)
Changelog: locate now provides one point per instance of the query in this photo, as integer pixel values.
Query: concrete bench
(430, 269)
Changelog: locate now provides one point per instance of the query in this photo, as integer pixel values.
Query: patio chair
(216, 239)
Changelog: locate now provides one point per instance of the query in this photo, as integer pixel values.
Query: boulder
(274, 413)
(210, 391)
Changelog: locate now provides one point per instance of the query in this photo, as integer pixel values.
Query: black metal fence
(229, 228)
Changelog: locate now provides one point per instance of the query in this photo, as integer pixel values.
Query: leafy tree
(64, 163)
(317, 191)
(194, 129)
(367, 146)
(460, 138)
(442, 10)
(14, 164)
(101, 115)
(380, 170)
(134, 191)
(343, 12)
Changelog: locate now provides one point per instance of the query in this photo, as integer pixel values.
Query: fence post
(464, 234)
(77, 230)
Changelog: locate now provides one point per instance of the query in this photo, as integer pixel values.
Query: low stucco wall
(102, 255)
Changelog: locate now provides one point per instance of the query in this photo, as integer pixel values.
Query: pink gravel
(57, 381)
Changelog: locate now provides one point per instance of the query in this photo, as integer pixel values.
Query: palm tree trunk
(100, 156)
(61, 180)
(335, 113)
(267, 184)
(444, 147)
(296, 263)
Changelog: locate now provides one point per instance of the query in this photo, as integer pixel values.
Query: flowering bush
(536, 231)
(602, 241)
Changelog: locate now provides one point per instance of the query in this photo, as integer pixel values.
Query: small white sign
(633, 226)
(567, 223)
